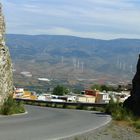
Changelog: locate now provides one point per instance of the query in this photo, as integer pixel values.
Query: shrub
(136, 124)
(64, 106)
(118, 112)
(10, 107)
(100, 109)
(81, 107)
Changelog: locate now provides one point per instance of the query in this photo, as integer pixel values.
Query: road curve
(42, 123)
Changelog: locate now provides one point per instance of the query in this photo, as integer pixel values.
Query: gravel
(112, 131)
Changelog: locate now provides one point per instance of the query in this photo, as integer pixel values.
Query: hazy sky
(104, 19)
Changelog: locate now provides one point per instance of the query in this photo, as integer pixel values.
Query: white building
(71, 98)
(19, 92)
(102, 97)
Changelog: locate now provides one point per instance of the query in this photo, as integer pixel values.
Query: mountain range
(74, 58)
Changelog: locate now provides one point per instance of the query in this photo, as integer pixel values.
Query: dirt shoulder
(113, 131)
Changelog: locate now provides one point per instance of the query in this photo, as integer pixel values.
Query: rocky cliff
(133, 102)
(6, 82)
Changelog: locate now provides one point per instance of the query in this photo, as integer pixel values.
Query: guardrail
(64, 104)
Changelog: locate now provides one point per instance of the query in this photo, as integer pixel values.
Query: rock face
(133, 102)
(6, 82)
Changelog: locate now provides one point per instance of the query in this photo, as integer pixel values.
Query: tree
(103, 87)
(96, 87)
(60, 90)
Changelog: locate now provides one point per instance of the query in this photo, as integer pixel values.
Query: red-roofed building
(91, 92)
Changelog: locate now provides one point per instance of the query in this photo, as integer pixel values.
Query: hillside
(72, 58)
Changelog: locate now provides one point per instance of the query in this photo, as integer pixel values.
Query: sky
(102, 19)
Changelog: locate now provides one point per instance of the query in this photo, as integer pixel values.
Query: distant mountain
(58, 56)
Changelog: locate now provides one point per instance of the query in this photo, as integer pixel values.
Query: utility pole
(62, 60)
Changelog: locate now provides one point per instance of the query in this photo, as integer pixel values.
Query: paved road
(49, 124)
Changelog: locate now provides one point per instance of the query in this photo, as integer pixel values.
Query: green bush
(10, 107)
(81, 107)
(118, 112)
(64, 106)
(100, 109)
(136, 124)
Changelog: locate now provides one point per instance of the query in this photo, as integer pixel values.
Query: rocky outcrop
(6, 82)
(133, 102)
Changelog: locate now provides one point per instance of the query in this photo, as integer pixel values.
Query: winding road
(42, 123)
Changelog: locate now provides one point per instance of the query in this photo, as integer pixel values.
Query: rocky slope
(6, 82)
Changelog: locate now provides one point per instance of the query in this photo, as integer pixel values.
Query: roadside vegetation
(121, 114)
(10, 107)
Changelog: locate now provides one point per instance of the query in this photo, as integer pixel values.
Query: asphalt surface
(42, 123)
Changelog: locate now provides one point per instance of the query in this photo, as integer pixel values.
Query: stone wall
(6, 82)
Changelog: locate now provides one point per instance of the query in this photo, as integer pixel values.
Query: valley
(73, 61)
